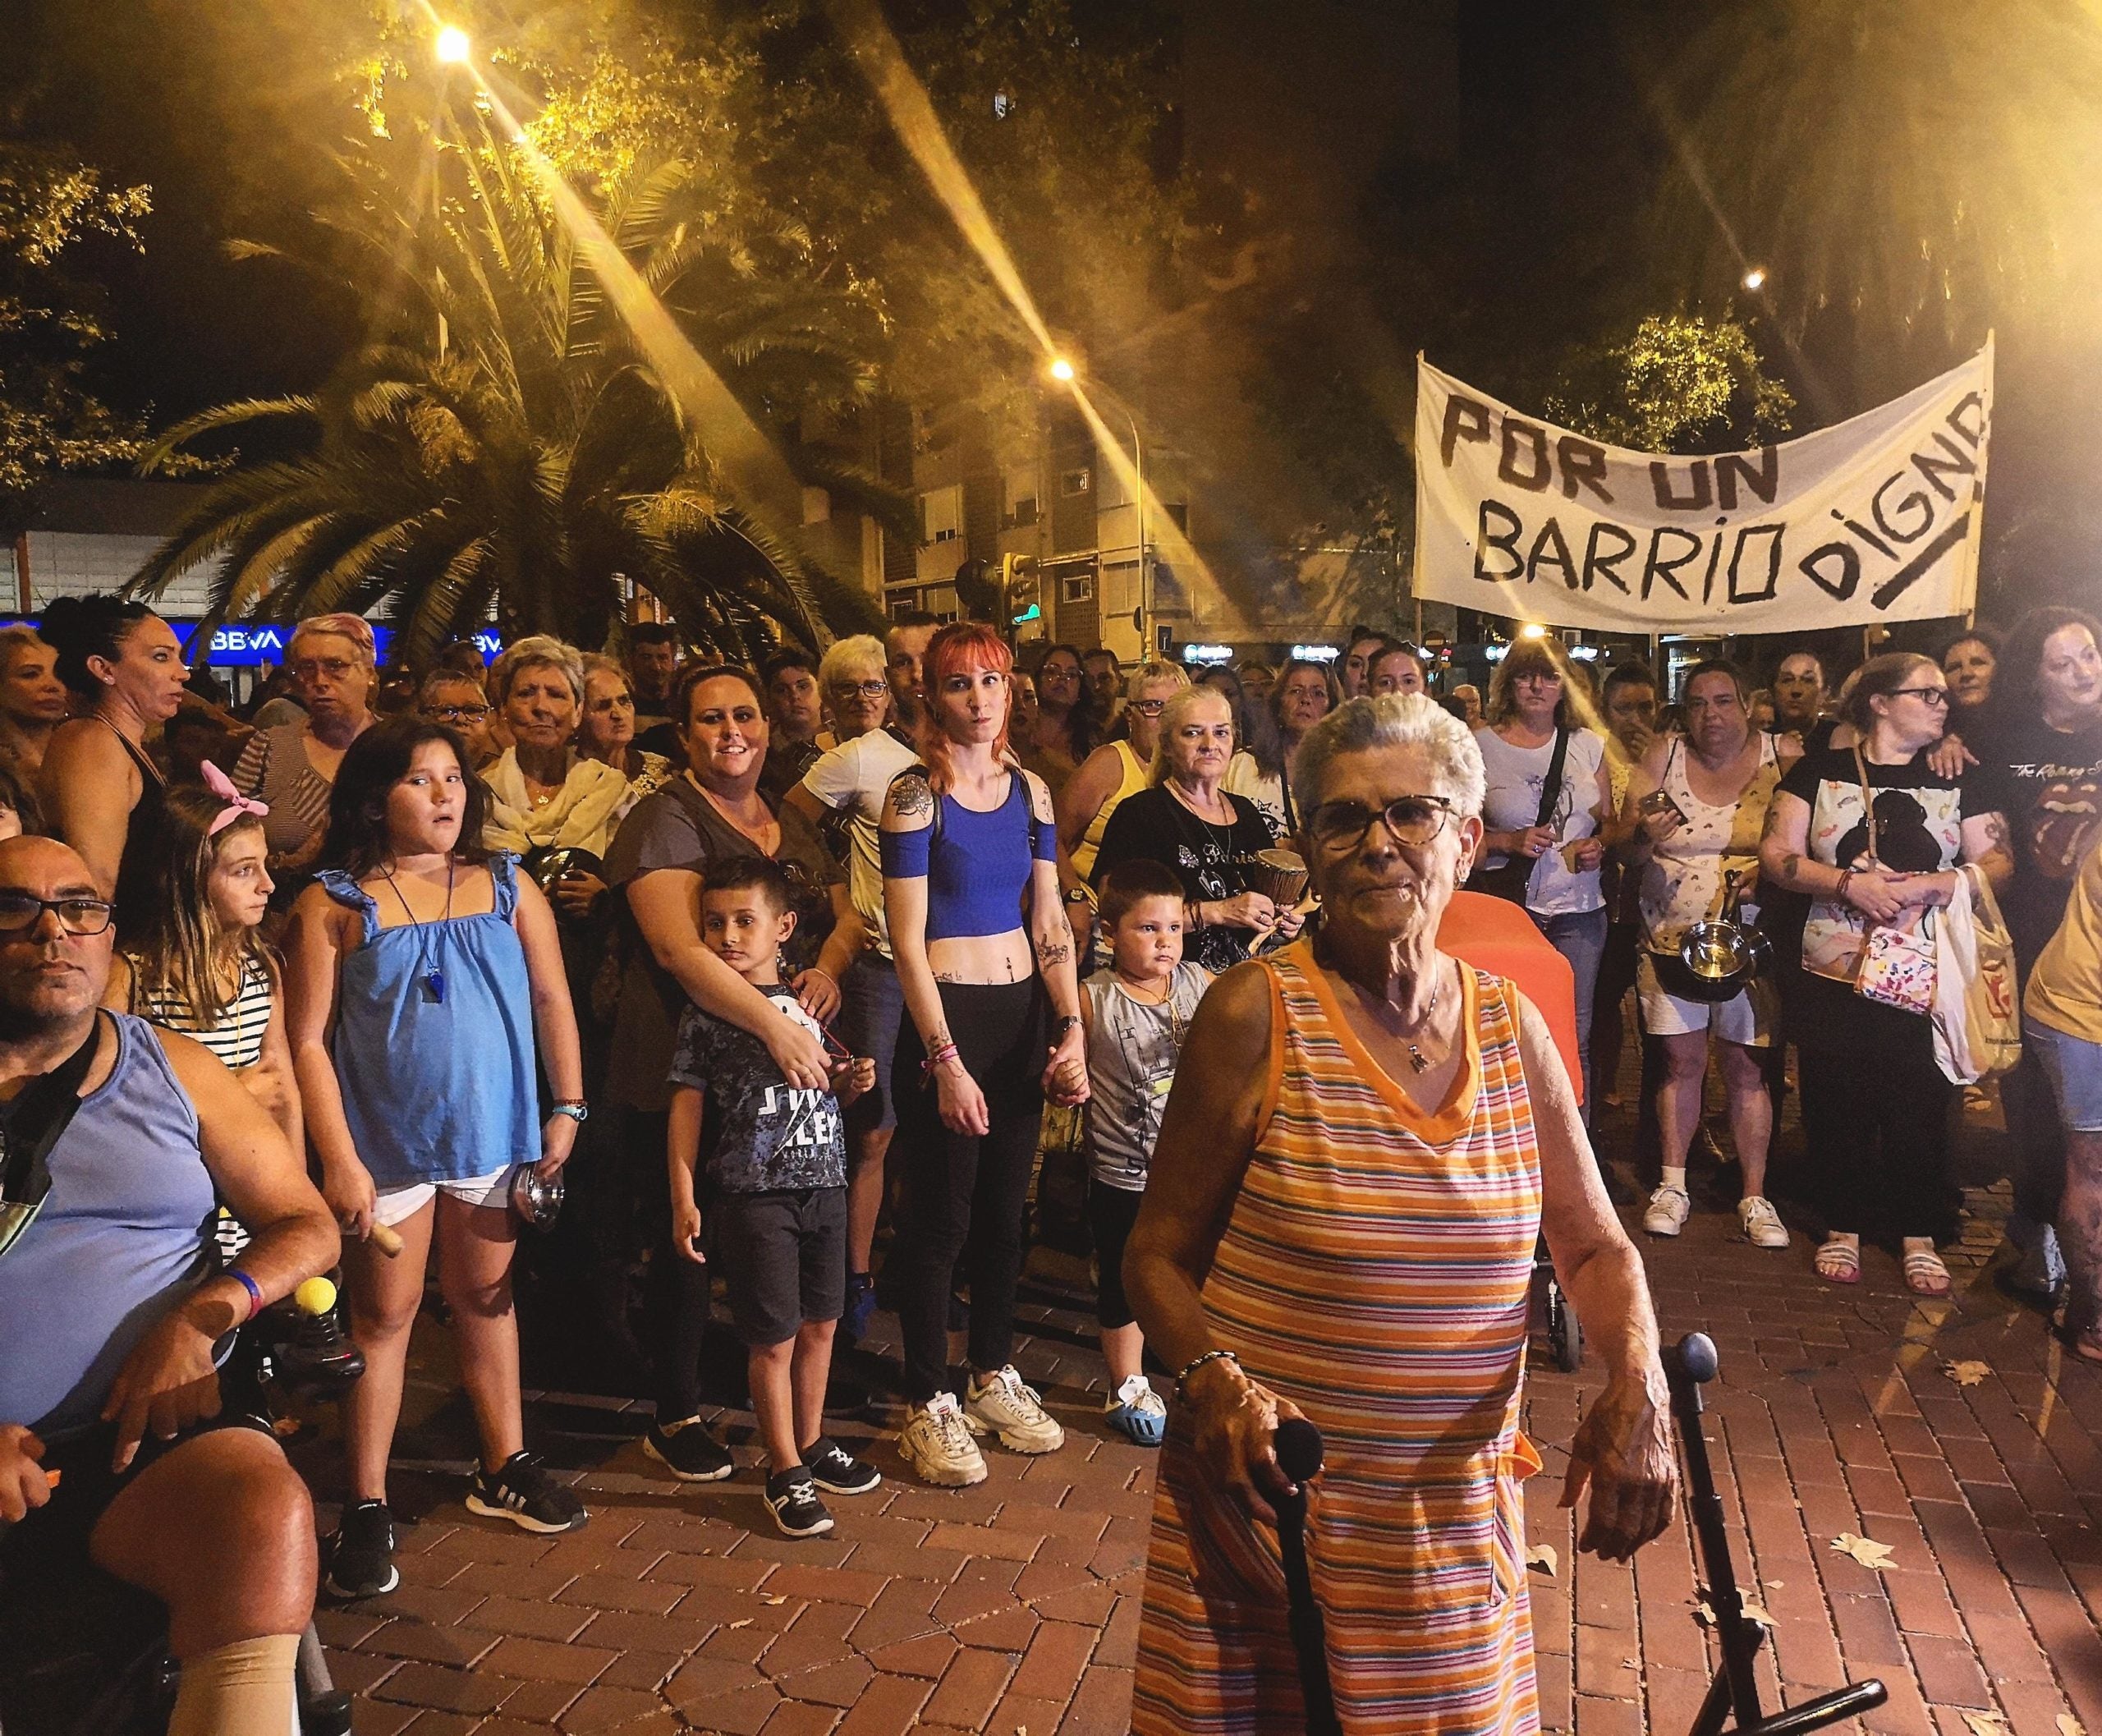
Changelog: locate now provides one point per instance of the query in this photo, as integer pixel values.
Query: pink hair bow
(236, 804)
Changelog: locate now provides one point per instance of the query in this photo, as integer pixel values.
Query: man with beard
(114, 1471)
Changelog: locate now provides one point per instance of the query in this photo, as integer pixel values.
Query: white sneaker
(1763, 1227)
(1014, 1412)
(1666, 1215)
(937, 1445)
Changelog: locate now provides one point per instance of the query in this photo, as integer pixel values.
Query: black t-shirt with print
(2048, 784)
(758, 1133)
(1919, 824)
(1212, 862)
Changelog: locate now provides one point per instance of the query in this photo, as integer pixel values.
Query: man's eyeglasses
(23, 910)
(1932, 695)
(1414, 820)
(860, 689)
(458, 713)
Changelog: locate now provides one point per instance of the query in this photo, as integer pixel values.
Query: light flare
(868, 39)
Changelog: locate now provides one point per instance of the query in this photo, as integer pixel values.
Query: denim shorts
(2075, 1068)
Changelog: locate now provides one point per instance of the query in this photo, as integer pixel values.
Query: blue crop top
(976, 866)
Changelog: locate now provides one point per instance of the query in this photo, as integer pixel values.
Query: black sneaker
(837, 1472)
(362, 1554)
(689, 1452)
(520, 1491)
(792, 1499)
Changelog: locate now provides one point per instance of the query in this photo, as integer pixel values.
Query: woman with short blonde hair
(548, 796)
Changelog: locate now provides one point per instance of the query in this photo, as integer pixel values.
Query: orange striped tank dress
(1375, 1271)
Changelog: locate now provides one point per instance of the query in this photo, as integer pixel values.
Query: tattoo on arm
(1996, 832)
(910, 797)
(1790, 864)
(1050, 954)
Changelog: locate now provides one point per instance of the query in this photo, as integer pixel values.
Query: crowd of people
(761, 961)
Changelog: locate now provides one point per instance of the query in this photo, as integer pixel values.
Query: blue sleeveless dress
(437, 1089)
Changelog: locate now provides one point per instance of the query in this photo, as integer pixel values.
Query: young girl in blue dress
(415, 961)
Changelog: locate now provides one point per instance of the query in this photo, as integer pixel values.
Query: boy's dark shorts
(783, 1256)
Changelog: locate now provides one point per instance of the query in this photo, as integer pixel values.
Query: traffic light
(1021, 583)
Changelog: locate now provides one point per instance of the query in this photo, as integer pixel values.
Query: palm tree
(504, 442)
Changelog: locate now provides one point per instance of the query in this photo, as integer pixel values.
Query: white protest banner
(1875, 519)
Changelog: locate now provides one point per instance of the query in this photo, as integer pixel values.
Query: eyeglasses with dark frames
(1413, 821)
(25, 910)
(1932, 695)
(861, 689)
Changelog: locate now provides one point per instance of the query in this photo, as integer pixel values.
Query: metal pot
(1722, 955)
(538, 1202)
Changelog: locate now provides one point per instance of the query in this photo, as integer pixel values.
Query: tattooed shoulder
(911, 797)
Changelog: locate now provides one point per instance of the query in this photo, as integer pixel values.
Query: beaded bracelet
(1210, 1356)
(946, 1052)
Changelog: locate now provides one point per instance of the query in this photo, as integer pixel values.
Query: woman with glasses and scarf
(1875, 837)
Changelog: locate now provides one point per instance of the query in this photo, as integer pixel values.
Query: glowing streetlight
(1062, 370)
(1755, 279)
(1532, 630)
(453, 48)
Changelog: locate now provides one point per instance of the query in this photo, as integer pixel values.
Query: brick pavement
(1012, 1607)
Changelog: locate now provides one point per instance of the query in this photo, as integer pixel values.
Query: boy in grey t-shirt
(776, 1175)
(1136, 1015)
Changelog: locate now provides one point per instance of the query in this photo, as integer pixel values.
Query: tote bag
(1977, 1020)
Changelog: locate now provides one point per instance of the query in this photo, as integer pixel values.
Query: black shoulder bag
(30, 1127)
(1510, 881)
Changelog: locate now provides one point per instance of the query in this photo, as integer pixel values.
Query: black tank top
(145, 840)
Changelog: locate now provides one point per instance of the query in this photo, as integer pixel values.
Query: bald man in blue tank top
(112, 1310)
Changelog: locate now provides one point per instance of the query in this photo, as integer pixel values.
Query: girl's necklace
(433, 978)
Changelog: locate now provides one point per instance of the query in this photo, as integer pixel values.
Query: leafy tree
(534, 454)
(51, 417)
(1681, 383)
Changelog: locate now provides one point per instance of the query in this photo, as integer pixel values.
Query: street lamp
(1063, 372)
(1755, 279)
(453, 48)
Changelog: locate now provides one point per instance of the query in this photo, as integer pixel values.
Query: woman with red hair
(985, 960)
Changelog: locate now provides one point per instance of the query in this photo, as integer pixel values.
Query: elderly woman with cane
(1365, 1138)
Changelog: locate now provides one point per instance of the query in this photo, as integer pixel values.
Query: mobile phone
(1659, 801)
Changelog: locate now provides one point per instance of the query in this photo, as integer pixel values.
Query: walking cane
(1734, 1692)
(1298, 1448)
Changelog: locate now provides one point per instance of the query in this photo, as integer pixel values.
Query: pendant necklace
(433, 978)
(1417, 1058)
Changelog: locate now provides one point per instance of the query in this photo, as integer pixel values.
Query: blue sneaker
(1137, 1413)
(861, 1306)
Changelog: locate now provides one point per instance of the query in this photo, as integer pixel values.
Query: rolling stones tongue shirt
(2048, 783)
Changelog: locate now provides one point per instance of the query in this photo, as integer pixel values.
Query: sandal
(1924, 1275)
(1839, 1260)
(2084, 1341)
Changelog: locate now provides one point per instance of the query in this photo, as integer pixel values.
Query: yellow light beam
(904, 99)
(741, 449)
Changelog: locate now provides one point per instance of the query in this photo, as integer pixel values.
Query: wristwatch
(1059, 1028)
(576, 1108)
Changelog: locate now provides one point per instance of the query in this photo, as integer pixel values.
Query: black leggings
(675, 1293)
(965, 1194)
